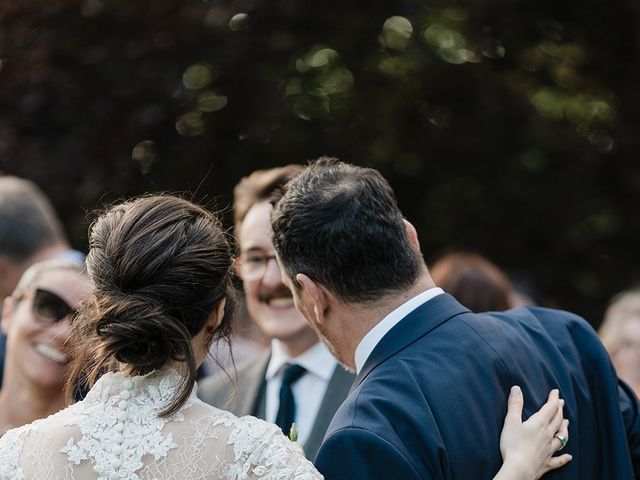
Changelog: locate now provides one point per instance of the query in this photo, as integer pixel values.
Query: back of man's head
(340, 225)
(28, 223)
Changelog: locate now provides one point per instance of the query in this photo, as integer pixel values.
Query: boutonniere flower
(293, 433)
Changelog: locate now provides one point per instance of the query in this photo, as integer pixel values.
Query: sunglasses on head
(49, 307)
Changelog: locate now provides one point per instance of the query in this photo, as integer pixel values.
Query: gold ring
(563, 440)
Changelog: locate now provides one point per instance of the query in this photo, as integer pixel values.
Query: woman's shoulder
(11, 444)
(252, 444)
(16, 436)
(238, 428)
(14, 442)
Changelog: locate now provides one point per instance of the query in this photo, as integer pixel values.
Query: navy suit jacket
(431, 399)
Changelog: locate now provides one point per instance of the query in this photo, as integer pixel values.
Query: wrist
(515, 469)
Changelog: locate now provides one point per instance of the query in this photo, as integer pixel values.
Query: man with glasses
(297, 380)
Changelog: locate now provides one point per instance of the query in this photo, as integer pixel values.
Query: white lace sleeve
(32, 451)
(258, 450)
(11, 444)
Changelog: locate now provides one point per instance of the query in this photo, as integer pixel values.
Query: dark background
(507, 127)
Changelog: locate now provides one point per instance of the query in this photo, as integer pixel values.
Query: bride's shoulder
(14, 441)
(259, 446)
(11, 444)
(17, 435)
(11, 447)
(247, 425)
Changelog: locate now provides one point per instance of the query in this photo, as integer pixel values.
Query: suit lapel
(251, 383)
(337, 391)
(417, 324)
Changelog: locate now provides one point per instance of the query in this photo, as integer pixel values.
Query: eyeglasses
(253, 265)
(49, 307)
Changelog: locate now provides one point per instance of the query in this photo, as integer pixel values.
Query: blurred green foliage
(509, 128)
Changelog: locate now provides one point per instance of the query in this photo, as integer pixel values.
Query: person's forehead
(63, 282)
(255, 230)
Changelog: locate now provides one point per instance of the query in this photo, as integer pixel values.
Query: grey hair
(28, 222)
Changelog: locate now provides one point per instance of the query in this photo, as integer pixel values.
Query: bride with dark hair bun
(160, 271)
(160, 268)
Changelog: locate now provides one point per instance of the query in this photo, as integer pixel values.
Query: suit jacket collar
(377, 333)
(251, 398)
(249, 392)
(337, 391)
(417, 324)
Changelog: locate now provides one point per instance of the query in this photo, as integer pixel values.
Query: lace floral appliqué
(123, 425)
(260, 451)
(116, 432)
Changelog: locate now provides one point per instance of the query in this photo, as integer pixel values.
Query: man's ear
(316, 293)
(412, 234)
(7, 313)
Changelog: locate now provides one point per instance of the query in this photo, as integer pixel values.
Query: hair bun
(139, 333)
(159, 266)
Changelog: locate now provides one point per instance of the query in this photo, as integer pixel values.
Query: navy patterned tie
(287, 409)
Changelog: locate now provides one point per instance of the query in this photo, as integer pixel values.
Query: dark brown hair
(340, 225)
(159, 266)
(474, 281)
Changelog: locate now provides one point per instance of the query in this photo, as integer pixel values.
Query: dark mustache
(267, 293)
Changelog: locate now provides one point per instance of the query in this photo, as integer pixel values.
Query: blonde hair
(624, 306)
(32, 274)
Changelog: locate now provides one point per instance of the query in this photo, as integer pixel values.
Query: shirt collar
(373, 337)
(316, 360)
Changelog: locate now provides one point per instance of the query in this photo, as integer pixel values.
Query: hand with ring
(563, 440)
(528, 448)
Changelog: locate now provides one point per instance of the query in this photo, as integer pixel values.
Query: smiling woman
(36, 320)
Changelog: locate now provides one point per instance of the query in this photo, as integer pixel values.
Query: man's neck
(299, 344)
(365, 317)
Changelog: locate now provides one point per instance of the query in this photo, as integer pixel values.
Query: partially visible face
(35, 346)
(11, 273)
(269, 301)
(627, 358)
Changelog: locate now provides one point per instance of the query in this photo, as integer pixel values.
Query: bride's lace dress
(116, 433)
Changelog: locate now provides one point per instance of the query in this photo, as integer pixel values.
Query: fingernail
(515, 390)
(562, 402)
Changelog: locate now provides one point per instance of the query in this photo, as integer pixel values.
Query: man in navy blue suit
(432, 377)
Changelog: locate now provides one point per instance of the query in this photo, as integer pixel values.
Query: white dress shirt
(308, 391)
(373, 337)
